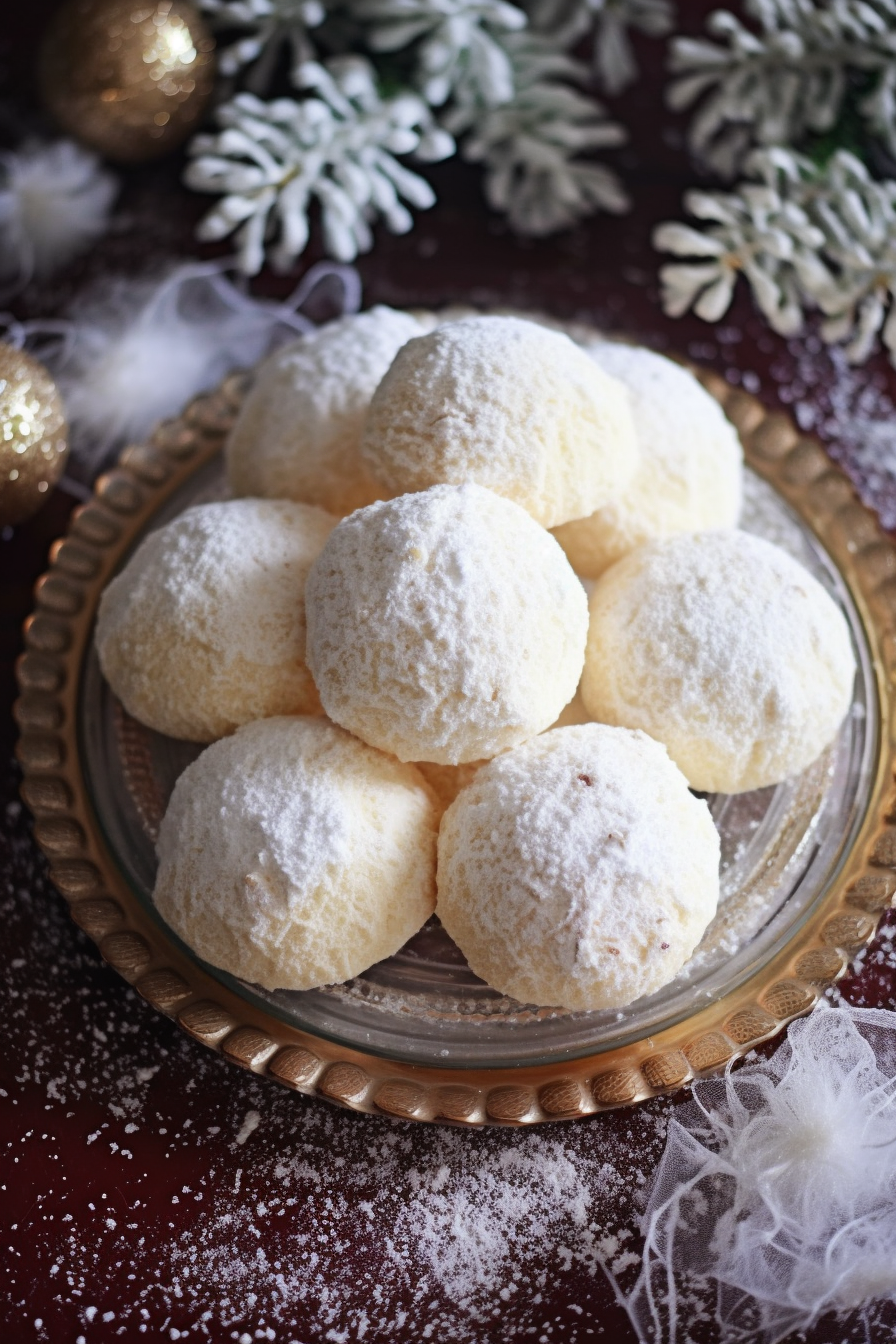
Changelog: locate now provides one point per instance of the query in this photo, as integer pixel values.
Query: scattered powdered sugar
(476, 1229)
(248, 1127)
(853, 411)
(171, 1195)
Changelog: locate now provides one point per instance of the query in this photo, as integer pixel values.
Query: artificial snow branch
(530, 145)
(457, 46)
(268, 28)
(608, 22)
(804, 238)
(786, 80)
(336, 146)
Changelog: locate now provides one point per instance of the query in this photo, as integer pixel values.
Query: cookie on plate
(444, 626)
(507, 404)
(690, 474)
(204, 628)
(724, 648)
(578, 871)
(293, 855)
(299, 430)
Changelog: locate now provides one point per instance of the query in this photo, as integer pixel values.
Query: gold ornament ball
(32, 435)
(129, 78)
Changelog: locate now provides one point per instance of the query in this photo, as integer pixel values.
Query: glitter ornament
(32, 435)
(129, 78)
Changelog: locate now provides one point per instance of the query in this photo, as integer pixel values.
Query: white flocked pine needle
(457, 44)
(496, 75)
(339, 146)
(608, 22)
(537, 148)
(805, 239)
(258, 32)
(784, 75)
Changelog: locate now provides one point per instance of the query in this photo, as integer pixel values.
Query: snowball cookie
(690, 474)
(725, 649)
(578, 871)
(293, 855)
(205, 627)
(508, 404)
(444, 626)
(298, 434)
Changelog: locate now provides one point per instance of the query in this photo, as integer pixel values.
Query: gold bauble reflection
(32, 435)
(129, 79)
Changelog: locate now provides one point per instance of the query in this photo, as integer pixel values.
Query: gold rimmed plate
(808, 866)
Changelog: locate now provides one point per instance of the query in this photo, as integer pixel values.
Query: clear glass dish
(782, 848)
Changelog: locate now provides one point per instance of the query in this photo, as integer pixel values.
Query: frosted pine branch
(457, 44)
(786, 78)
(608, 22)
(337, 145)
(530, 147)
(804, 238)
(267, 27)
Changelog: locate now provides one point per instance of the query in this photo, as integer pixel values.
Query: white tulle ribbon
(775, 1199)
(134, 352)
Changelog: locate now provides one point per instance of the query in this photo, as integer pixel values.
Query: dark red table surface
(150, 1190)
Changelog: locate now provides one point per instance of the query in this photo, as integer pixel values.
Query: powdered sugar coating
(724, 648)
(293, 855)
(444, 626)
(508, 404)
(298, 434)
(578, 871)
(204, 629)
(690, 474)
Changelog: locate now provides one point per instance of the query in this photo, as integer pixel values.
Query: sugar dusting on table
(265, 1214)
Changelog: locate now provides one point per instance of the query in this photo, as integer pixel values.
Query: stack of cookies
(382, 635)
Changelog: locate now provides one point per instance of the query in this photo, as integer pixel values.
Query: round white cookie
(690, 473)
(293, 855)
(299, 430)
(578, 871)
(204, 629)
(444, 626)
(725, 649)
(507, 404)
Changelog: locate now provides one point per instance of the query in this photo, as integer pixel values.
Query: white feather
(55, 201)
(135, 353)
